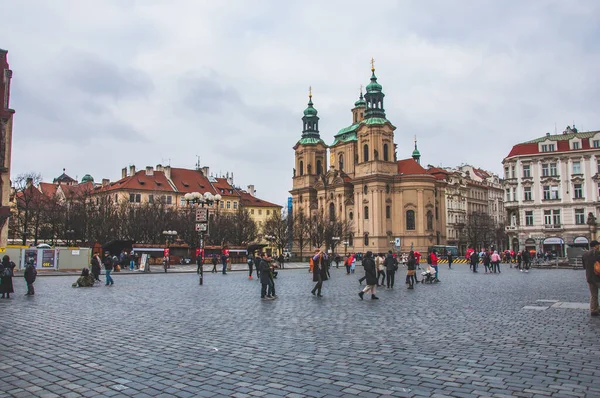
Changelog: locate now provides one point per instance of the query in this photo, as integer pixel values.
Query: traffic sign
(397, 242)
(201, 214)
(201, 227)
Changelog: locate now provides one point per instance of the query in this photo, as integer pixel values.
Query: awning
(554, 241)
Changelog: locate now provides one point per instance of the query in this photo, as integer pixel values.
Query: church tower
(311, 160)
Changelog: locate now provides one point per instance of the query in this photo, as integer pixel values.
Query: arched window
(410, 220)
(319, 167)
(331, 212)
(429, 220)
(341, 162)
(366, 239)
(388, 212)
(366, 213)
(351, 216)
(386, 155)
(365, 153)
(301, 168)
(365, 189)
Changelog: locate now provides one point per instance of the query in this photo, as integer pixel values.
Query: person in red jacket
(433, 261)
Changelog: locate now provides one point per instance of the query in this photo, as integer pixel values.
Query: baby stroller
(428, 276)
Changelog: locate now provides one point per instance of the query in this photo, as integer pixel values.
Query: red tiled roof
(48, 189)
(438, 173)
(73, 191)
(248, 200)
(480, 173)
(142, 182)
(523, 149)
(410, 166)
(222, 184)
(186, 180)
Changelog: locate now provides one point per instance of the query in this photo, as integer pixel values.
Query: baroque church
(358, 178)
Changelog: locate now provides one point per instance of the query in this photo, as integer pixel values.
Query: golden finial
(361, 89)
(415, 139)
(310, 92)
(372, 64)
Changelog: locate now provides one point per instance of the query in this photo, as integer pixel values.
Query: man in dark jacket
(30, 274)
(108, 266)
(450, 259)
(264, 270)
(371, 275)
(474, 261)
(391, 265)
(589, 259)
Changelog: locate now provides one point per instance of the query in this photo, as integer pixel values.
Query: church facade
(358, 178)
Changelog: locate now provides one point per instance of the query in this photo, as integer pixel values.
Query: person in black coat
(391, 265)
(30, 274)
(96, 267)
(474, 261)
(371, 275)
(450, 259)
(319, 272)
(6, 273)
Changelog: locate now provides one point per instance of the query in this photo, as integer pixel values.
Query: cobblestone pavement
(164, 335)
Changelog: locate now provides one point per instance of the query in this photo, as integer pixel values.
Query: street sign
(397, 242)
(201, 214)
(201, 227)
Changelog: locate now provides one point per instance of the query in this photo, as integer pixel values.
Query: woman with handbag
(6, 273)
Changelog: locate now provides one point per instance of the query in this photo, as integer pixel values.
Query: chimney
(131, 170)
(251, 189)
(159, 167)
(149, 171)
(168, 172)
(205, 171)
(105, 182)
(124, 172)
(230, 179)
(29, 182)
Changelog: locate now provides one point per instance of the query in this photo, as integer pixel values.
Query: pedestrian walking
(30, 274)
(526, 260)
(379, 259)
(96, 268)
(487, 261)
(224, 259)
(281, 261)
(411, 273)
(348, 263)
(450, 259)
(250, 262)
(391, 266)
(6, 274)
(214, 263)
(319, 272)
(593, 279)
(432, 260)
(496, 261)
(108, 267)
(371, 276)
(337, 261)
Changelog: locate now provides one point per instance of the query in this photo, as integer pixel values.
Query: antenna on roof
(555, 130)
(197, 162)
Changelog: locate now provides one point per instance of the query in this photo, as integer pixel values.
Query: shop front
(554, 246)
(582, 242)
(530, 245)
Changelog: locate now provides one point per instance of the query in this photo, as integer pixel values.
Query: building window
(596, 143)
(527, 193)
(351, 216)
(365, 153)
(545, 148)
(553, 169)
(513, 173)
(554, 194)
(551, 148)
(301, 168)
(547, 217)
(388, 212)
(546, 193)
(169, 200)
(319, 167)
(508, 194)
(135, 197)
(410, 220)
(222, 204)
(577, 167)
(260, 212)
(545, 170)
(526, 170)
(576, 145)
(366, 217)
(251, 211)
(506, 169)
(529, 218)
(228, 205)
(341, 163)
(556, 216)
(235, 205)
(386, 157)
(182, 201)
(578, 191)
(366, 239)
(429, 220)
(150, 198)
(331, 212)
(514, 192)
(365, 189)
(579, 216)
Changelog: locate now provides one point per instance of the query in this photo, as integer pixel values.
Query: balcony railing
(553, 226)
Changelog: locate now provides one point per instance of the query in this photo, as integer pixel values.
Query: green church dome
(310, 111)
(87, 178)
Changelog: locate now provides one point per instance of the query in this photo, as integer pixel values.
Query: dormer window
(576, 145)
(596, 143)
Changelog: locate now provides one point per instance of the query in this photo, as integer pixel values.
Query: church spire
(374, 96)
(310, 119)
(416, 155)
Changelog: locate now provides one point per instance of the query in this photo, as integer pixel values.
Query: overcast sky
(102, 84)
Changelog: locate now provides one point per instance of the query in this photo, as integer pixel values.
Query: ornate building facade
(6, 126)
(359, 179)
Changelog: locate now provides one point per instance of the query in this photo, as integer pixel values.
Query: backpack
(597, 268)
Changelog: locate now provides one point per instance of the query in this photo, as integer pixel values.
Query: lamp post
(346, 243)
(201, 218)
(69, 233)
(169, 238)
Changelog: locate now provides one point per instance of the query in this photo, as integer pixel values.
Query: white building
(551, 185)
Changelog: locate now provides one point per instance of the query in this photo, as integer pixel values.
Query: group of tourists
(265, 273)
(7, 272)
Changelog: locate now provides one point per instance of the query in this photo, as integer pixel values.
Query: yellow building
(358, 178)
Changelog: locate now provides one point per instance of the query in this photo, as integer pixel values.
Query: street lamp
(196, 198)
(69, 232)
(169, 237)
(346, 243)
(334, 242)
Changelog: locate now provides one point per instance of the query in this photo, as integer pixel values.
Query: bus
(442, 251)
